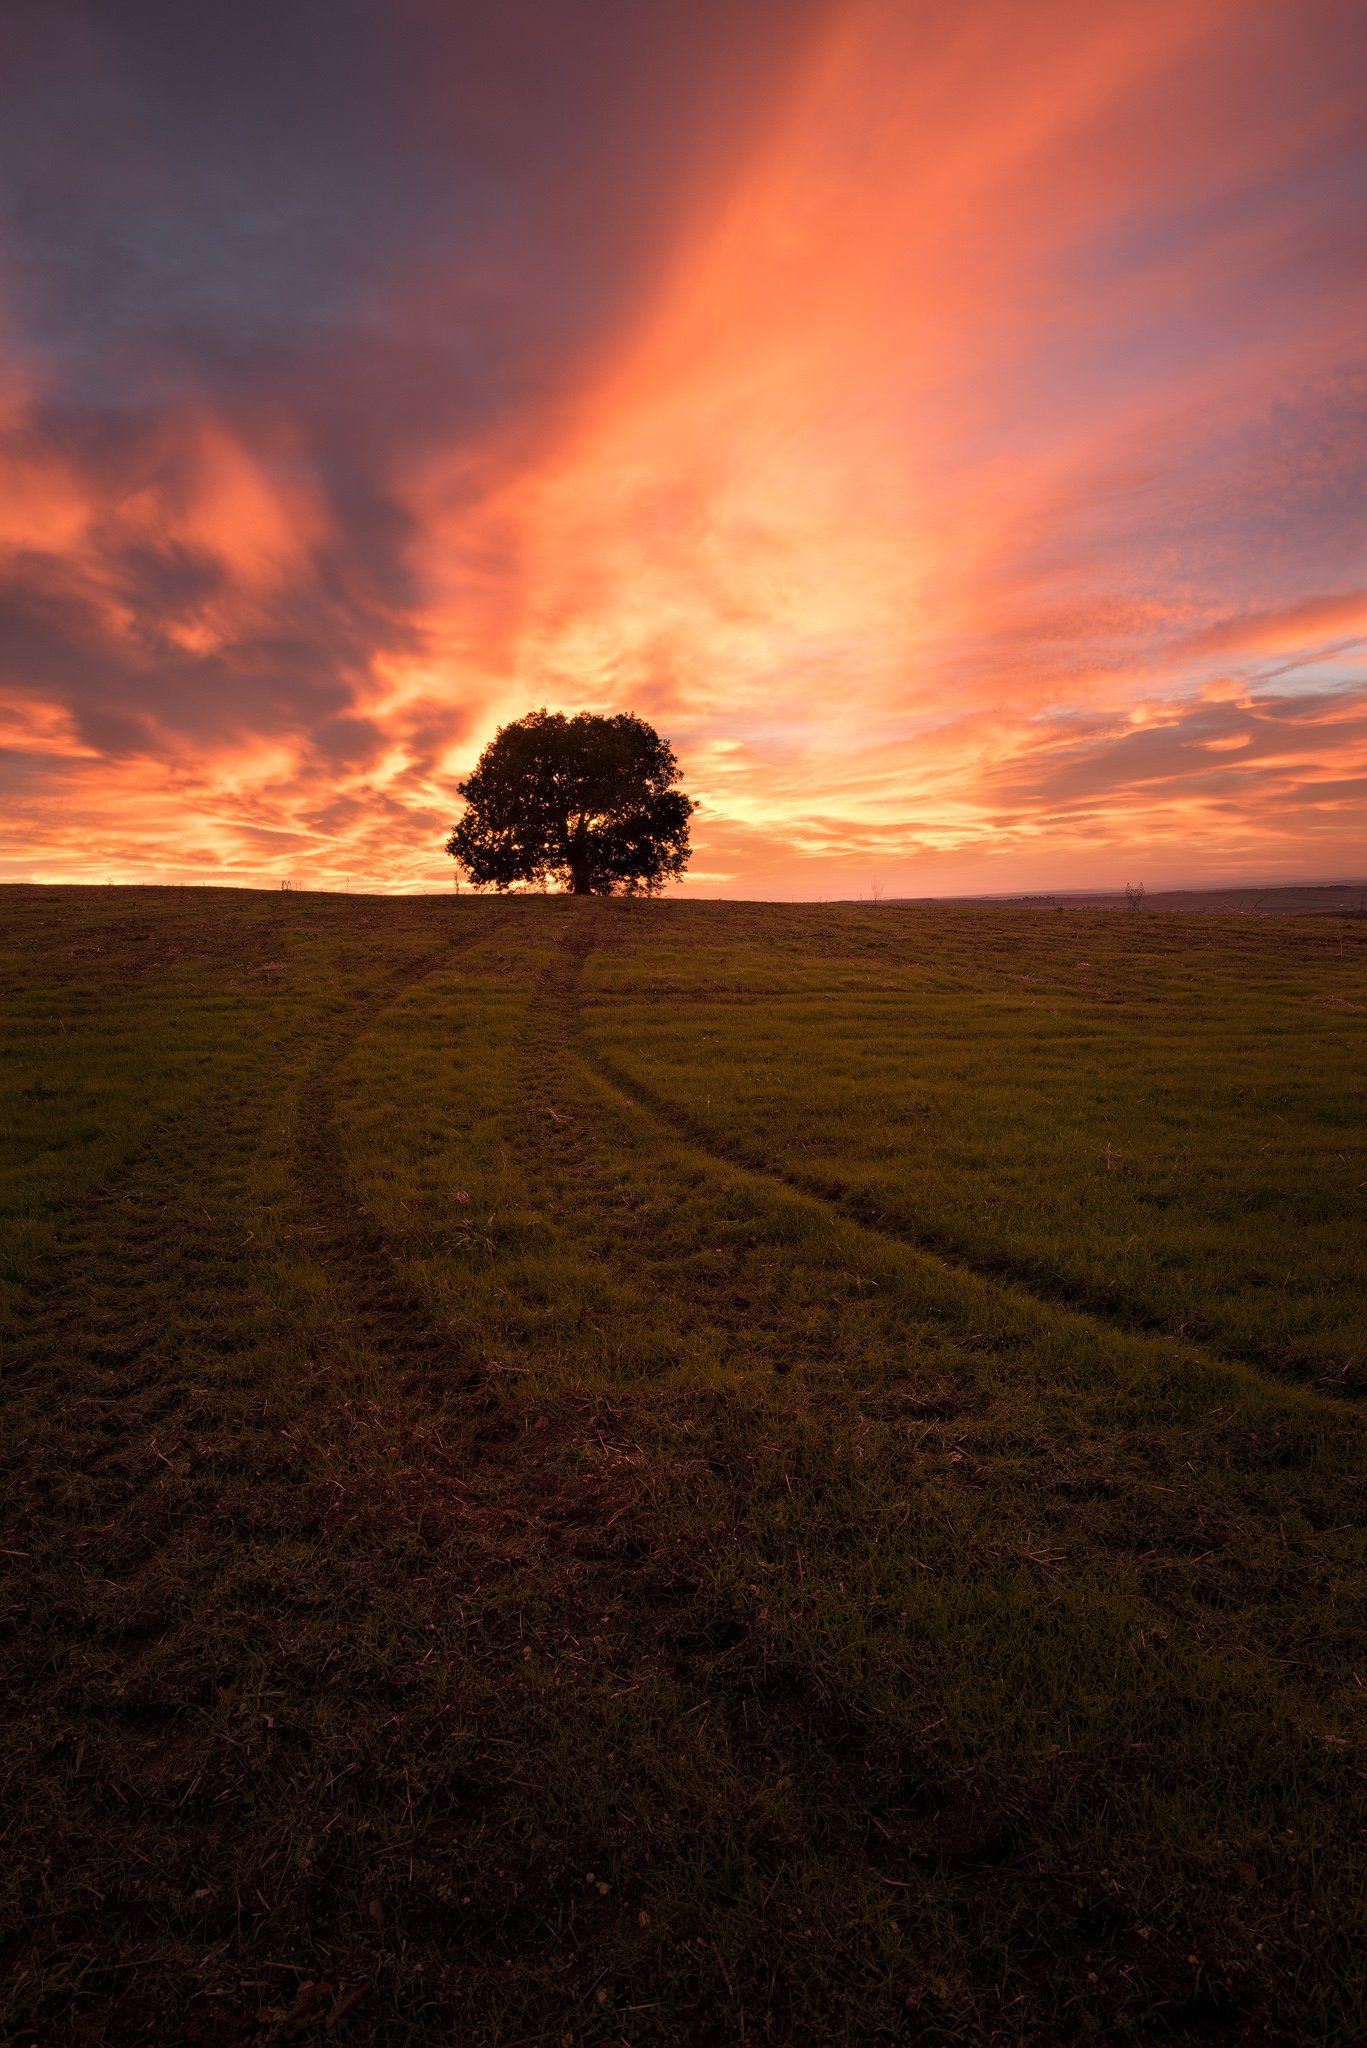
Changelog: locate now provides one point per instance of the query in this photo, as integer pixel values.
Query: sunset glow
(943, 422)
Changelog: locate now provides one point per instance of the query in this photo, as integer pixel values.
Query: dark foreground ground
(588, 1473)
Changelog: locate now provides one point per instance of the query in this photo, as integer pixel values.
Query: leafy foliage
(587, 802)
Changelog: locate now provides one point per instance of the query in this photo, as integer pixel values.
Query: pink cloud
(937, 461)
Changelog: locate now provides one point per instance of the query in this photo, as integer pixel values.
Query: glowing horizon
(944, 423)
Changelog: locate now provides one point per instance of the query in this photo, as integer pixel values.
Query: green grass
(599, 1472)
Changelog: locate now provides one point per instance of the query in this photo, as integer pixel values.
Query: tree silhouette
(588, 802)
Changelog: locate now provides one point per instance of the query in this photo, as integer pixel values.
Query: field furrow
(515, 1535)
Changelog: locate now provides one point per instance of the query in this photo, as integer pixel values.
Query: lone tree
(588, 802)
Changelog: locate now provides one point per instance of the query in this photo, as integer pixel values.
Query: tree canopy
(587, 802)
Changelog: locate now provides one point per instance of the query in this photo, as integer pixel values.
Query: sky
(944, 419)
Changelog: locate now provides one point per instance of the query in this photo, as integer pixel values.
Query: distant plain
(583, 1472)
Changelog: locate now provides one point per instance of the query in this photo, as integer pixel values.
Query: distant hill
(1306, 899)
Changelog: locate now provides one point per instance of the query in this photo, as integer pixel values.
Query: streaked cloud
(947, 422)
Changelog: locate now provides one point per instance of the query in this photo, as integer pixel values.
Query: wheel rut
(136, 1355)
(458, 1453)
(767, 1180)
(385, 1310)
(637, 1237)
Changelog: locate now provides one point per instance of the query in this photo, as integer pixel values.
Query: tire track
(144, 1437)
(636, 1236)
(547, 1053)
(766, 1180)
(133, 1367)
(498, 1495)
(385, 1308)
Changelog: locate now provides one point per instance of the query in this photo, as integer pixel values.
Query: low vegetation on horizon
(589, 1472)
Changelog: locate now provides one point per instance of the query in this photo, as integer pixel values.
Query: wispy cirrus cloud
(947, 422)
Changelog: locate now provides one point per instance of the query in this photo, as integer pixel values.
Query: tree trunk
(580, 880)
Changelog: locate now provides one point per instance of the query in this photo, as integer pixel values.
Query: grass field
(594, 1472)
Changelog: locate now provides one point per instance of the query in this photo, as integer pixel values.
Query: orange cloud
(966, 483)
(1308, 623)
(824, 509)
